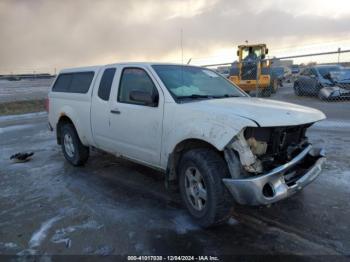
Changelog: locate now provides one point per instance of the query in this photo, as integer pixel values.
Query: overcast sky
(64, 33)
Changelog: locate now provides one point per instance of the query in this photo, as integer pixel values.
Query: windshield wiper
(226, 95)
(195, 96)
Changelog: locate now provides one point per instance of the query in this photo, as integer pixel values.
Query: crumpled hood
(264, 112)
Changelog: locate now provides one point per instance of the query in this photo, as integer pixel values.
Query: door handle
(115, 111)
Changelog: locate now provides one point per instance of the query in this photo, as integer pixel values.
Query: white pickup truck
(216, 143)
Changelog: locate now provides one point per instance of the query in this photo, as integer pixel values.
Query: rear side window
(62, 83)
(104, 89)
(73, 82)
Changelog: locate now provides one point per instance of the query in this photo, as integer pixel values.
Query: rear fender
(72, 115)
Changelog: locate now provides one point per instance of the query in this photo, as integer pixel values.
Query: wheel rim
(196, 191)
(68, 145)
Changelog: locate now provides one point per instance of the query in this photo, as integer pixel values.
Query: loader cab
(244, 51)
(252, 71)
(250, 57)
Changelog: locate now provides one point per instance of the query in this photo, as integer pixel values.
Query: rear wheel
(266, 92)
(73, 150)
(201, 187)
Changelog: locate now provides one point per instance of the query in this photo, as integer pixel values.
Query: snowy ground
(27, 89)
(112, 206)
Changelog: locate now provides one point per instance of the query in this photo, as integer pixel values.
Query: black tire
(212, 169)
(296, 90)
(81, 152)
(266, 92)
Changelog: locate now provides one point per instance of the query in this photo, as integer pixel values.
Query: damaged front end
(268, 164)
(335, 92)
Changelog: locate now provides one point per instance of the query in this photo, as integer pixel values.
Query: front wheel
(73, 150)
(201, 172)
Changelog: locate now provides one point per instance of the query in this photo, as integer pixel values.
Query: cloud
(47, 34)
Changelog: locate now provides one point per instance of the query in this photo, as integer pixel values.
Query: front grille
(283, 143)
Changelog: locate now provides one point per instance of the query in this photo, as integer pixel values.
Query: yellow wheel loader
(251, 72)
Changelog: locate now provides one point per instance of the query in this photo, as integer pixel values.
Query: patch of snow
(104, 250)
(22, 116)
(183, 224)
(41, 234)
(88, 250)
(332, 124)
(66, 241)
(27, 252)
(9, 245)
(14, 128)
(61, 235)
(232, 222)
(131, 235)
(339, 178)
(139, 247)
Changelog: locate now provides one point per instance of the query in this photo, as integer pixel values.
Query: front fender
(213, 129)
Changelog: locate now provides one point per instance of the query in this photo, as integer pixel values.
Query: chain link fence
(320, 80)
(23, 85)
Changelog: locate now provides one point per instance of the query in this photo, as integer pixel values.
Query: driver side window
(135, 79)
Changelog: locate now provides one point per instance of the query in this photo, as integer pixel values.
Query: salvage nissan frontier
(217, 145)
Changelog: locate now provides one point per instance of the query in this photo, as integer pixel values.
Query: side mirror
(237, 52)
(267, 51)
(144, 98)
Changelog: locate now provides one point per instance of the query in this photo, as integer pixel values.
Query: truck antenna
(182, 50)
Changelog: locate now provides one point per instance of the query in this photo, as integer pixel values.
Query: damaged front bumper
(334, 92)
(281, 182)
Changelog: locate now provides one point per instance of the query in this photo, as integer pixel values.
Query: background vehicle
(277, 74)
(224, 71)
(208, 137)
(340, 87)
(253, 74)
(312, 79)
(295, 69)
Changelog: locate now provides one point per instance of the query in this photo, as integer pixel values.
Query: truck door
(136, 127)
(100, 108)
